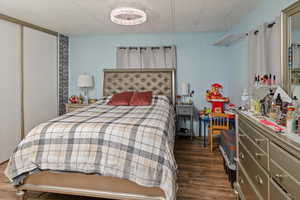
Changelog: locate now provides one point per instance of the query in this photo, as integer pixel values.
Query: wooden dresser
(268, 163)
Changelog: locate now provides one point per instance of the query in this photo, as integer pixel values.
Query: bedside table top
(184, 109)
(185, 105)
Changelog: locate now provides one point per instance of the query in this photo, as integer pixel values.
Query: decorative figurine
(73, 99)
(82, 99)
(215, 97)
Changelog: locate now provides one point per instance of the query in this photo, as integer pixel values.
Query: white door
(10, 88)
(40, 78)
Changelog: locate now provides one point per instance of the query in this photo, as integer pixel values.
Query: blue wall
(198, 61)
(267, 11)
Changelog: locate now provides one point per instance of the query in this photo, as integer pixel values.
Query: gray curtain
(146, 57)
(264, 52)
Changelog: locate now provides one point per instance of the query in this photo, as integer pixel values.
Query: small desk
(205, 120)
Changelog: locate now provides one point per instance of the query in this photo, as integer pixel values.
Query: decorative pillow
(120, 99)
(141, 99)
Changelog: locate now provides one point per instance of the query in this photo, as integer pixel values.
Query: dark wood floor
(200, 176)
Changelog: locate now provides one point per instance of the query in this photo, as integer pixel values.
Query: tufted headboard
(160, 81)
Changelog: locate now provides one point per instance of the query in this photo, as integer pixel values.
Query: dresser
(70, 107)
(268, 162)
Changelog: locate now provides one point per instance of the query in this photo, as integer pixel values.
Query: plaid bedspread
(130, 142)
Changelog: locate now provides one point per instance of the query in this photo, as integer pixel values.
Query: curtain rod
(295, 44)
(269, 26)
(166, 47)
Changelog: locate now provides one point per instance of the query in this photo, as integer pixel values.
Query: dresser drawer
(254, 135)
(248, 192)
(256, 174)
(184, 110)
(285, 180)
(257, 153)
(285, 160)
(71, 109)
(276, 193)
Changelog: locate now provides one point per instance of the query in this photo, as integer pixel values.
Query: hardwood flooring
(201, 176)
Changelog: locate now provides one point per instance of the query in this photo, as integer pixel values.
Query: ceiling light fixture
(128, 16)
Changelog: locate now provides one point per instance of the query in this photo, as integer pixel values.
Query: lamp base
(85, 100)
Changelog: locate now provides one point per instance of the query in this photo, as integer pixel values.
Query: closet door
(40, 78)
(10, 88)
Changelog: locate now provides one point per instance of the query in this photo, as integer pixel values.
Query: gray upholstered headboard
(160, 81)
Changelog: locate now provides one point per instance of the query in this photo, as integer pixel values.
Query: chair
(218, 122)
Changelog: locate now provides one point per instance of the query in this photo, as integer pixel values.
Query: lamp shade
(85, 81)
(184, 88)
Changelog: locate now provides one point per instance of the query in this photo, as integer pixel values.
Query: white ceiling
(91, 17)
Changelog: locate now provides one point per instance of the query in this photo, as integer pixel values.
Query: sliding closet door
(40, 78)
(10, 88)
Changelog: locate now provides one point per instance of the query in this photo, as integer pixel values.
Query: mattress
(129, 142)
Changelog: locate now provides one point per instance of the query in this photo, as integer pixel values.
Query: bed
(105, 151)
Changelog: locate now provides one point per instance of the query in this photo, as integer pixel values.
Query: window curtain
(264, 52)
(146, 57)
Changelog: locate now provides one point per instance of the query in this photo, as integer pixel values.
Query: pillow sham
(120, 99)
(141, 99)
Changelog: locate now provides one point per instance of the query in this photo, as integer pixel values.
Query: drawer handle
(259, 155)
(259, 179)
(280, 176)
(242, 156)
(236, 192)
(259, 140)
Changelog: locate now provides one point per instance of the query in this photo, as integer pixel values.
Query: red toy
(215, 97)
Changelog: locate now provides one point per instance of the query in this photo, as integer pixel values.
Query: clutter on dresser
(263, 80)
(245, 100)
(274, 108)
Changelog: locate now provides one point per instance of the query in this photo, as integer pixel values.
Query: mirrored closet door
(28, 82)
(40, 77)
(10, 88)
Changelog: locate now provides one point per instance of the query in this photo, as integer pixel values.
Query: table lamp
(184, 91)
(85, 82)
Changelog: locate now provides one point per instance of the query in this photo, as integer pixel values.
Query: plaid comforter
(130, 142)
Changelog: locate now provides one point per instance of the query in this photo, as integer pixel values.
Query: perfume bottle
(291, 119)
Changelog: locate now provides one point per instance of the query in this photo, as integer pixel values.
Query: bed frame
(160, 81)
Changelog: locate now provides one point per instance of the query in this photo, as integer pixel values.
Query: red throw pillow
(120, 99)
(141, 99)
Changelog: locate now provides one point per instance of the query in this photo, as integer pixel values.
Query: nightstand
(70, 107)
(185, 112)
